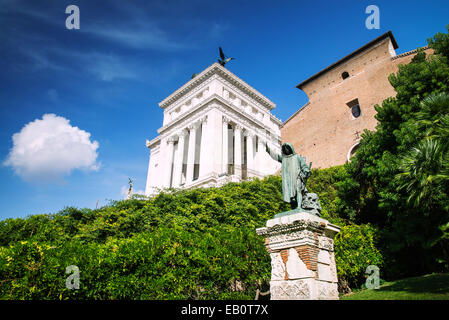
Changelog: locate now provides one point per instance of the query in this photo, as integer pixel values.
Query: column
(147, 186)
(225, 145)
(191, 153)
(238, 150)
(249, 154)
(206, 149)
(168, 172)
(260, 144)
(177, 171)
(261, 156)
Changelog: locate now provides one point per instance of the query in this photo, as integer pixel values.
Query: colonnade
(233, 153)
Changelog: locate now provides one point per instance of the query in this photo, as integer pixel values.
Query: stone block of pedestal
(301, 246)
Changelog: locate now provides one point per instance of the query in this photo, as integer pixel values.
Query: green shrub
(357, 247)
(181, 244)
(324, 182)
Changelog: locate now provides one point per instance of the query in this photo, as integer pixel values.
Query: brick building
(326, 130)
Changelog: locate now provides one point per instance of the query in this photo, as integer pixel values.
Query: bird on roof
(223, 58)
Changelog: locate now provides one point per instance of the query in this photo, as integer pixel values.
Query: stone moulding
(216, 102)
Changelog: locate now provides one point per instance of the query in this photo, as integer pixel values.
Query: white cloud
(53, 95)
(108, 67)
(145, 36)
(49, 148)
(217, 30)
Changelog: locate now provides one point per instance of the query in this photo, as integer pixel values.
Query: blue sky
(99, 86)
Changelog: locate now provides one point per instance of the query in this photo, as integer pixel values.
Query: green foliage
(357, 247)
(440, 43)
(421, 174)
(325, 183)
(182, 244)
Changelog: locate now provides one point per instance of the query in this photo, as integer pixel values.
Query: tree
(421, 173)
(440, 43)
(424, 168)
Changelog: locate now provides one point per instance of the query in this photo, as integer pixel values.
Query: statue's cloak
(294, 171)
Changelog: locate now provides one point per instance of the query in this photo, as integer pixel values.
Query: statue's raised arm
(273, 154)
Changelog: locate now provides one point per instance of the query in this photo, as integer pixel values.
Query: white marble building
(213, 132)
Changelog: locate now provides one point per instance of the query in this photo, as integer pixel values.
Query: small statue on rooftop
(223, 58)
(130, 190)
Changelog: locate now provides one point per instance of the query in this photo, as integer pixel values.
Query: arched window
(352, 151)
(345, 75)
(355, 110)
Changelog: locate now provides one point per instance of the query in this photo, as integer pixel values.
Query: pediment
(219, 72)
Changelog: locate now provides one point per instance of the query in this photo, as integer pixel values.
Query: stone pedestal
(301, 247)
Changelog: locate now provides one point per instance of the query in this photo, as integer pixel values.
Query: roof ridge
(296, 112)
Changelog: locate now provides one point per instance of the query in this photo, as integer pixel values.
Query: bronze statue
(295, 173)
(223, 59)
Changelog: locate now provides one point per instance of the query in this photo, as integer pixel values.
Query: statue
(223, 59)
(295, 173)
(130, 190)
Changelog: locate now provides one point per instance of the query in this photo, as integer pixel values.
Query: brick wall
(324, 130)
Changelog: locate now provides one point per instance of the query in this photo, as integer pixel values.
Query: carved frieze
(325, 243)
(290, 290)
(327, 291)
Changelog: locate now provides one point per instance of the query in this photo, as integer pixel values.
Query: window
(352, 151)
(345, 75)
(355, 108)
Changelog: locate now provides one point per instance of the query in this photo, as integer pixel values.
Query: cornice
(192, 92)
(232, 88)
(151, 144)
(216, 68)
